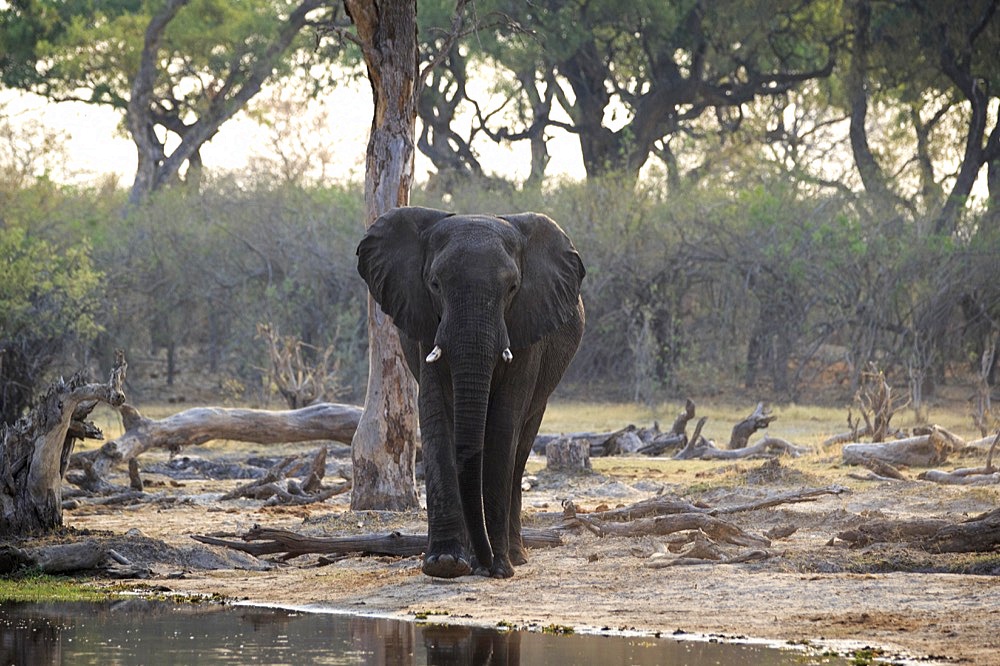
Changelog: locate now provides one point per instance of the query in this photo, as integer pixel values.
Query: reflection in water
(164, 633)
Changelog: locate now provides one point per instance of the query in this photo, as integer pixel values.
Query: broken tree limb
(324, 421)
(919, 451)
(846, 437)
(716, 528)
(977, 476)
(759, 419)
(765, 448)
(265, 541)
(688, 560)
(793, 497)
(34, 451)
(278, 487)
(969, 476)
(693, 442)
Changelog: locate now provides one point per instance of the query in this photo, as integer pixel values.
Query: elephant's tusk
(507, 356)
(434, 355)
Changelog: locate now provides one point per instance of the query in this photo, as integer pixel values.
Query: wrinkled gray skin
(475, 287)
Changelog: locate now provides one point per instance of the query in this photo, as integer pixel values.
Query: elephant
(490, 315)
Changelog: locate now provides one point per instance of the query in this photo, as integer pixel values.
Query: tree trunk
(35, 451)
(384, 445)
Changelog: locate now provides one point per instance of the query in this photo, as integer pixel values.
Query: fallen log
(969, 476)
(716, 528)
(266, 541)
(688, 560)
(666, 505)
(975, 476)
(920, 451)
(54, 559)
(34, 452)
(980, 534)
(766, 448)
(324, 421)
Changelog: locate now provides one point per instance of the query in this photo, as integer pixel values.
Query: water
(164, 633)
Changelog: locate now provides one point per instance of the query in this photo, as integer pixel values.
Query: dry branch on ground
(324, 421)
(265, 541)
(278, 487)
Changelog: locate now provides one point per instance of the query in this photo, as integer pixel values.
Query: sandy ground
(810, 588)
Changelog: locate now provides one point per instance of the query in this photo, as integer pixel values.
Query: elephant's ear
(550, 280)
(391, 261)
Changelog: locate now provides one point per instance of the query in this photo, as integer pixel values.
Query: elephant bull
(490, 313)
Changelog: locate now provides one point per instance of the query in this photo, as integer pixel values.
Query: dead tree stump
(567, 455)
(34, 452)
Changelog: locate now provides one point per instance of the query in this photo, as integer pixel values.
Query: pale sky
(338, 126)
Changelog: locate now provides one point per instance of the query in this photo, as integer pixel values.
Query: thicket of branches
(752, 283)
(778, 193)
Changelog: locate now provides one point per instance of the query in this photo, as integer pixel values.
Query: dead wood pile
(694, 534)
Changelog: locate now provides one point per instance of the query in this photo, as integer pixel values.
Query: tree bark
(325, 421)
(384, 445)
(34, 452)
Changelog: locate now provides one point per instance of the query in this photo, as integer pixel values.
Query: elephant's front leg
(446, 555)
(498, 476)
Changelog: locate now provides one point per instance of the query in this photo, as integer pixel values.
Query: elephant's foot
(446, 563)
(518, 556)
(501, 568)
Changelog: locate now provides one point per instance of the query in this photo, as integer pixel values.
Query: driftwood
(716, 528)
(265, 541)
(34, 451)
(759, 419)
(324, 421)
(979, 534)
(920, 451)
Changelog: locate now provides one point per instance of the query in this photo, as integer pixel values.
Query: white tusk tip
(434, 355)
(507, 356)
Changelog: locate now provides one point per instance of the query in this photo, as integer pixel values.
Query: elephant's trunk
(471, 403)
(473, 352)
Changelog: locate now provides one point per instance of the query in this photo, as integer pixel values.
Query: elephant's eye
(435, 286)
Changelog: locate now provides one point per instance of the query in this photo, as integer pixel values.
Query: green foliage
(49, 293)
(89, 50)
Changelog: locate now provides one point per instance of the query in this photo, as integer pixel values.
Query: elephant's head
(471, 283)
(472, 290)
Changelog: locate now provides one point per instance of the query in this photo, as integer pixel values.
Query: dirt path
(805, 591)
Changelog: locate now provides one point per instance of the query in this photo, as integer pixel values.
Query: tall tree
(626, 78)
(932, 68)
(177, 69)
(384, 445)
